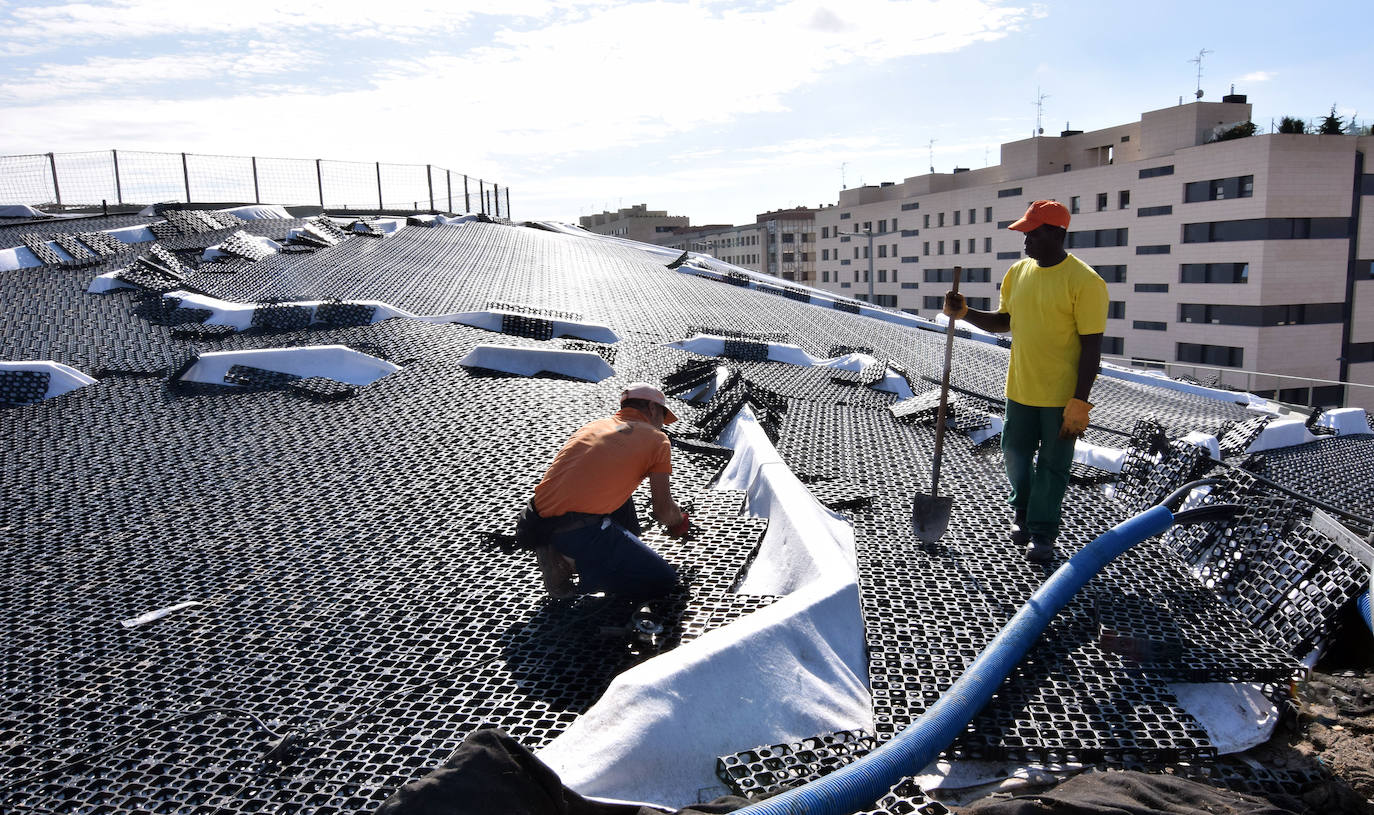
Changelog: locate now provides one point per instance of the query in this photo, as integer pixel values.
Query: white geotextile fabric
(804, 541)
(792, 670)
(490, 320)
(585, 365)
(20, 211)
(1281, 433)
(1346, 421)
(1159, 380)
(61, 378)
(258, 212)
(1108, 459)
(337, 362)
(1236, 715)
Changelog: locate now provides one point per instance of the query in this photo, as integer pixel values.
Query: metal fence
(60, 181)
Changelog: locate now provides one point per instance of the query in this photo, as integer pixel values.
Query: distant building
(1250, 254)
(638, 223)
(780, 243)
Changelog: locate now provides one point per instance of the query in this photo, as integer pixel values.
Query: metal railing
(64, 181)
(1262, 383)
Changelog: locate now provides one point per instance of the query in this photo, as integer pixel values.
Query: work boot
(1020, 536)
(557, 572)
(1040, 549)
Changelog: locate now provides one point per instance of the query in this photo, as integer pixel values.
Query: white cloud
(116, 75)
(1257, 76)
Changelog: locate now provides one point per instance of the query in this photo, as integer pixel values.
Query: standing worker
(582, 517)
(1055, 307)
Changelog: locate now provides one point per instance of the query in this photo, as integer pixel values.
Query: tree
(1240, 131)
(1290, 125)
(1331, 124)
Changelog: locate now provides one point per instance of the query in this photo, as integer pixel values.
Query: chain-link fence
(59, 181)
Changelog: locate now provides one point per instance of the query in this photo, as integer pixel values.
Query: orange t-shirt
(602, 464)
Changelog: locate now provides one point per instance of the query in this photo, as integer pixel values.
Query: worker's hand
(1075, 419)
(955, 306)
(681, 528)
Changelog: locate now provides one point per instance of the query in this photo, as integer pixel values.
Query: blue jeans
(612, 560)
(1037, 462)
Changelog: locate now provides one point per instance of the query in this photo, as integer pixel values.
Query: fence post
(507, 200)
(57, 193)
(186, 177)
(319, 180)
(467, 199)
(119, 192)
(429, 179)
(380, 205)
(448, 179)
(482, 195)
(496, 197)
(257, 193)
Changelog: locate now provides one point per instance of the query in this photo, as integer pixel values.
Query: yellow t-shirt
(601, 465)
(1050, 307)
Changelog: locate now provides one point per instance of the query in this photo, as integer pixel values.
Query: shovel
(930, 513)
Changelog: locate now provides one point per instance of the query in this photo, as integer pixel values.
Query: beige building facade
(781, 243)
(1234, 260)
(637, 223)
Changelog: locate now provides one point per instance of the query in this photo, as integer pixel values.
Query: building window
(956, 245)
(1214, 272)
(1114, 346)
(970, 246)
(987, 215)
(940, 219)
(972, 216)
(789, 237)
(825, 276)
(1267, 229)
(1010, 192)
(956, 217)
(1068, 167)
(1097, 238)
(911, 206)
(789, 257)
(940, 247)
(910, 259)
(1008, 255)
(925, 221)
(925, 247)
(980, 303)
(933, 303)
(1005, 224)
(1152, 288)
(1112, 274)
(882, 275)
(844, 216)
(1116, 310)
(1224, 355)
(1155, 172)
(987, 245)
(1101, 201)
(1146, 212)
(907, 284)
(1073, 205)
(1283, 314)
(825, 254)
(1123, 199)
(981, 274)
(1219, 189)
(882, 250)
(1148, 325)
(1154, 249)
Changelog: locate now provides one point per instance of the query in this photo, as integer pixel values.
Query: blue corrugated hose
(1365, 611)
(858, 785)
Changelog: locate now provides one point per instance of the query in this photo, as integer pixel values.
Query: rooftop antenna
(931, 147)
(843, 185)
(1198, 60)
(1039, 110)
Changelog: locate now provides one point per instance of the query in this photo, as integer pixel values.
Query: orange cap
(1040, 213)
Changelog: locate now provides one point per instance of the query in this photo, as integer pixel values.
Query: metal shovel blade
(930, 516)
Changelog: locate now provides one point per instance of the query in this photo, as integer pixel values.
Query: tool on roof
(930, 513)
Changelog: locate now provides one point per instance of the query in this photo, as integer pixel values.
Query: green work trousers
(1037, 462)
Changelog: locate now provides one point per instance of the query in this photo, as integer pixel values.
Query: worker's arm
(956, 308)
(1089, 361)
(665, 508)
(1076, 411)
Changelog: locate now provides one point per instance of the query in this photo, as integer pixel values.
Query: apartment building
(1246, 255)
(781, 243)
(637, 223)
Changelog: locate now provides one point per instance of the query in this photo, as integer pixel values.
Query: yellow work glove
(955, 306)
(1075, 419)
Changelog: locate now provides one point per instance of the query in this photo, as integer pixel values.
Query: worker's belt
(569, 521)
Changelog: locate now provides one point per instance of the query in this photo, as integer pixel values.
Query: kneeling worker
(585, 509)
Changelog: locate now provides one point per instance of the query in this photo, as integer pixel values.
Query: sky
(714, 110)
